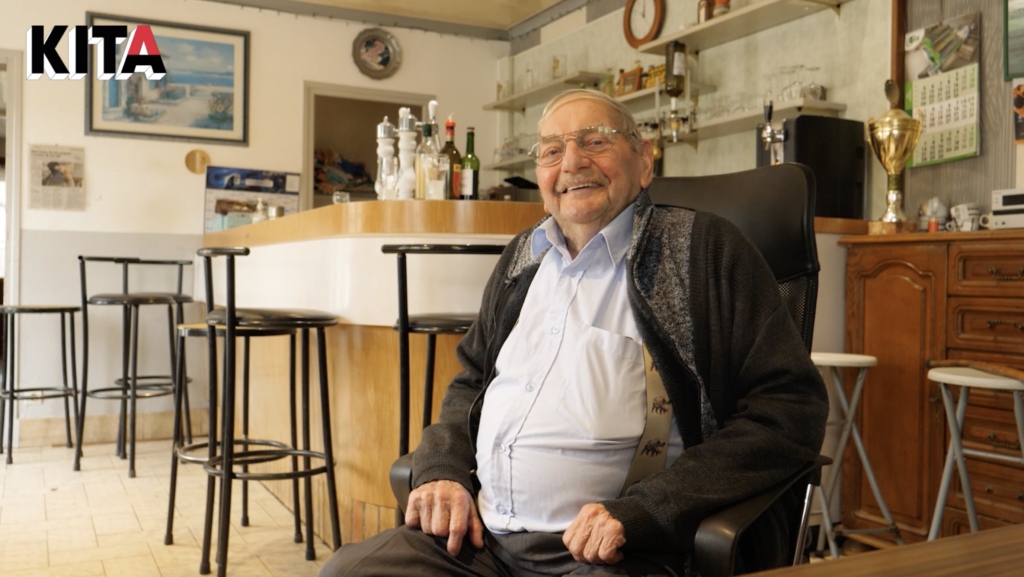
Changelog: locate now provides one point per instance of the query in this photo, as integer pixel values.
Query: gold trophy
(893, 137)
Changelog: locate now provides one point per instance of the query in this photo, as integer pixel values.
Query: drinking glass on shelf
(437, 169)
(387, 177)
(340, 197)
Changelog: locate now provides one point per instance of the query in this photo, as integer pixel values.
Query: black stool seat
(180, 298)
(199, 330)
(440, 324)
(277, 318)
(126, 299)
(28, 309)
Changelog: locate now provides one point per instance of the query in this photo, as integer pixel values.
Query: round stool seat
(440, 323)
(28, 309)
(180, 298)
(274, 318)
(200, 330)
(132, 299)
(842, 360)
(968, 377)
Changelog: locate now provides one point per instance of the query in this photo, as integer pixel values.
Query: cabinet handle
(1001, 444)
(1020, 496)
(994, 271)
(988, 489)
(993, 324)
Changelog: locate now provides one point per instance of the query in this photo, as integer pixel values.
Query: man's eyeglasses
(591, 140)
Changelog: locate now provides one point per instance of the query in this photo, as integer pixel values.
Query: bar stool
(834, 362)
(10, 392)
(223, 464)
(428, 324)
(130, 387)
(966, 378)
(184, 449)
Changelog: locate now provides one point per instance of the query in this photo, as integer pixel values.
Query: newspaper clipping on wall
(57, 178)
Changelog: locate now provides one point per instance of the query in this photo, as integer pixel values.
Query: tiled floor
(58, 523)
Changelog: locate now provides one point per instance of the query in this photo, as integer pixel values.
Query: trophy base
(899, 227)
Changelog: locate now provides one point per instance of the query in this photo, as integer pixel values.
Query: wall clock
(376, 53)
(642, 21)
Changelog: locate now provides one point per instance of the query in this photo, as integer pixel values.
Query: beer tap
(772, 137)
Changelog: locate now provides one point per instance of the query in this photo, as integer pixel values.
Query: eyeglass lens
(591, 141)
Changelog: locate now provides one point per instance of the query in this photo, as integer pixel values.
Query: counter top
(988, 235)
(386, 218)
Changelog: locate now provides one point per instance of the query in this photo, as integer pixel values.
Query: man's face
(590, 191)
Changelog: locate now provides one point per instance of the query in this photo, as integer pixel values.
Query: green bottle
(470, 185)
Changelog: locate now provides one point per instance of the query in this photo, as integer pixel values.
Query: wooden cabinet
(914, 297)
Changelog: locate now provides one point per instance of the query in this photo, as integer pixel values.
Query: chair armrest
(401, 480)
(716, 543)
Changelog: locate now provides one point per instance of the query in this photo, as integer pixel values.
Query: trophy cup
(893, 137)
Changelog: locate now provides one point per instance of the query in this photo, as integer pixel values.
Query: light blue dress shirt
(564, 414)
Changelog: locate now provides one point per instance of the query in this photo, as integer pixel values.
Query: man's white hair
(621, 115)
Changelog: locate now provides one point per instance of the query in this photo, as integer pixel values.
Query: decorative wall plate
(376, 53)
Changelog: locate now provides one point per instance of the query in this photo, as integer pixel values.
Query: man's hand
(445, 509)
(595, 536)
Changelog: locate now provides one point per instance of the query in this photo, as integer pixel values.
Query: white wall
(141, 199)
(142, 186)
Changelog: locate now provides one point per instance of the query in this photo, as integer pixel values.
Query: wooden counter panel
(385, 218)
(829, 225)
(364, 413)
(989, 235)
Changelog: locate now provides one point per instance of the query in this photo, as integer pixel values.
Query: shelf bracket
(826, 3)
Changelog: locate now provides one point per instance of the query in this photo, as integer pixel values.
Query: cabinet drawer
(987, 324)
(986, 269)
(987, 398)
(955, 522)
(998, 490)
(988, 429)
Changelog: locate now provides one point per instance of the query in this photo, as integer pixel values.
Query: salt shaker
(406, 154)
(385, 150)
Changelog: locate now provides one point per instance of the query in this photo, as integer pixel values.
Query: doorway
(340, 136)
(11, 73)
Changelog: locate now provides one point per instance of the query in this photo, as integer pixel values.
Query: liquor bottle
(426, 156)
(470, 186)
(675, 68)
(454, 159)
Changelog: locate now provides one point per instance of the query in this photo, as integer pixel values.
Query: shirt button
(502, 448)
(554, 330)
(529, 387)
(501, 510)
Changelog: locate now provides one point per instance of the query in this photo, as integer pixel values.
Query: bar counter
(330, 259)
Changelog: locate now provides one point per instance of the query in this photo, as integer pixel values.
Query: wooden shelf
(512, 164)
(743, 22)
(748, 121)
(544, 92)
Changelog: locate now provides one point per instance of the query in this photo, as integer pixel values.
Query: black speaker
(834, 149)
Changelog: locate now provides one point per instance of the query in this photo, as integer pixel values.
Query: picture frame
(204, 97)
(629, 81)
(376, 53)
(1013, 39)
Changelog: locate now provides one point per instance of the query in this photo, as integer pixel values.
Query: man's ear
(646, 163)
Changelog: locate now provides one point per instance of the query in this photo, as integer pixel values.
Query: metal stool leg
(1018, 413)
(295, 436)
(954, 455)
(176, 440)
(11, 350)
(308, 481)
(211, 481)
(428, 381)
(125, 352)
(245, 427)
(133, 391)
(74, 379)
(325, 423)
(182, 368)
(3, 377)
(227, 443)
(64, 374)
(827, 532)
(801, 536)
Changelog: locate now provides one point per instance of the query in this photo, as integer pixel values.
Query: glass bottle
(452, 189)
(426, 156)
(675, 68)
(470, 185)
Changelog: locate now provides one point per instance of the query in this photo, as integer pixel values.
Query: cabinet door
(896, 300)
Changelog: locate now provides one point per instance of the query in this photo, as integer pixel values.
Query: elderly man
(533, 466)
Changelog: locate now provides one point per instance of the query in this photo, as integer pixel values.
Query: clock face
(641, 18)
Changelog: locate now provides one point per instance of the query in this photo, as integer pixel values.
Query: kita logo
(142, 54)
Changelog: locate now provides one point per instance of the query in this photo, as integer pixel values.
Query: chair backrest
(774, 207)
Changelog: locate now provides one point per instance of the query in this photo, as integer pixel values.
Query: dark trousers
(408, 552)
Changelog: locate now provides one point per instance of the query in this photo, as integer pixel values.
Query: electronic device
(1007, 209)
(995, 221)
(834, 150)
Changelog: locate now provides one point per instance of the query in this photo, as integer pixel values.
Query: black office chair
(774, 207)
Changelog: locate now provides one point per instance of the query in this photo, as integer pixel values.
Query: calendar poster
(943, 89)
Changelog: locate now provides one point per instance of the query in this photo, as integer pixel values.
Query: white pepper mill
(406, 154)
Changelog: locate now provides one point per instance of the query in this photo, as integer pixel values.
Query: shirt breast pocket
(606, 396)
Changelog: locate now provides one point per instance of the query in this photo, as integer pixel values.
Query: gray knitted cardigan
(750, 406)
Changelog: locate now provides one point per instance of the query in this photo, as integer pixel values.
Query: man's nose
(574, 157)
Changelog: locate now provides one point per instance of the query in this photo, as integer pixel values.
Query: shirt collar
(616, 234)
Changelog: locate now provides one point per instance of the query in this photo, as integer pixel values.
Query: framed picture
(1013, 39)
(629, 81)
(376, 53)
(204, 97)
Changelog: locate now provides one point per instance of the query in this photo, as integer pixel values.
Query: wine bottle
(426, 154)
(470, 185)
(454, 158)
(675, 68)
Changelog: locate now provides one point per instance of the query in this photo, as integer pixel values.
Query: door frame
(14, 59)
(313, 89)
